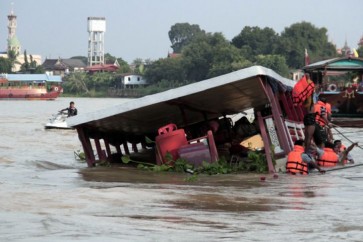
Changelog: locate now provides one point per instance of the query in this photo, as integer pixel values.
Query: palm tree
(76, 82)
(12, 55)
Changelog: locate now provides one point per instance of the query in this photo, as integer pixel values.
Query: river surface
(47, 195)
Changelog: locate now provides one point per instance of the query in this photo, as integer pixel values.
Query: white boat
(58, 121)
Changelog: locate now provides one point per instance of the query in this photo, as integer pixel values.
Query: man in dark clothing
(72, 110)
(315, 122)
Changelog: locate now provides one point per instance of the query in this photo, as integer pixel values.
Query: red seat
(167, 128)
(172, 140)
(169, 140)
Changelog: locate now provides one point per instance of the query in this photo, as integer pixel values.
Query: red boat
(30, 86)
(340, 81)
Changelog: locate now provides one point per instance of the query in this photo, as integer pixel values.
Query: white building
(132, 80)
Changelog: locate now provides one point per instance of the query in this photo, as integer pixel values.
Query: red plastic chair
(167, 128)
(169, 140)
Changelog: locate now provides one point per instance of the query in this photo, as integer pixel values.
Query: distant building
(108, 67)
(63, 67)
(13, 44)
(345, 51)
(174, 55)
(130, 81)
(20, 59)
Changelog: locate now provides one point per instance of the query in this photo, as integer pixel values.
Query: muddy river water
(47, 195)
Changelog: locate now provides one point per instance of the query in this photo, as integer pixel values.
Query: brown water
(47, 195)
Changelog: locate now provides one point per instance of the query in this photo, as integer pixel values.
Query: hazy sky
(139, 28)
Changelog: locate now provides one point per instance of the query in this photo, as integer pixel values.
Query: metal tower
(96, 30)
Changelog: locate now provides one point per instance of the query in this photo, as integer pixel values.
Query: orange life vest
(320, 108)
(329, 158)
(294, 163)
(302, 90)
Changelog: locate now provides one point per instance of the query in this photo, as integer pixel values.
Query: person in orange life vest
(327, 156)
(314, 122)
(343, 152)
(300, 163)
(309, 101)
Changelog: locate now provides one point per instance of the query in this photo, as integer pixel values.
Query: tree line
(198, 55)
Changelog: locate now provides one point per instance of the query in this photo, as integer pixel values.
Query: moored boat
(30, 86)
(340, 81)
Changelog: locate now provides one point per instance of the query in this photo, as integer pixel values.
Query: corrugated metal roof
(227, 94)
(69, 63)
(32, 77)
(345, 63)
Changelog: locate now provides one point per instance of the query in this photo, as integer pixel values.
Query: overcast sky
(139, 28)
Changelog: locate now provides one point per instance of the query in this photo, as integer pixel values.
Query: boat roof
(32, 77)
(336, 64)
(212, 98)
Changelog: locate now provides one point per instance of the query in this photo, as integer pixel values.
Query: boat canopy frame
(255, 87)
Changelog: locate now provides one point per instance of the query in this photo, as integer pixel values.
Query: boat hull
(49, 126)
(30, 93)
(347, 110)
(345, 105)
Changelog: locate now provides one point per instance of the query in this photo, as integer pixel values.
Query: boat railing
(23, 87)
(341, 87)
(295, 131)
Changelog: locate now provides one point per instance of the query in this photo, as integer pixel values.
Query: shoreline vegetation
(198, 55)
(114, 92)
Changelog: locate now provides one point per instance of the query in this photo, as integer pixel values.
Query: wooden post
(108, 150)
(118, 148)
(278, 119)
(212, 146)
(134, 148)
(87, 147)
(126, 148)
(291, 112)
(266, 142)
(101, 155)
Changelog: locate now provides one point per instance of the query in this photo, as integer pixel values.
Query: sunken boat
(120, 130)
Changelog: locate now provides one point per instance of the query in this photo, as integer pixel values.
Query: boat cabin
(340, 81)
(169, 118)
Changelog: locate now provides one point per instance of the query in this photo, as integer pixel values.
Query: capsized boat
(110, 131)
(58, 121)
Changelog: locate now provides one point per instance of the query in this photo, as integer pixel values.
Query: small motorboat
(58, 121)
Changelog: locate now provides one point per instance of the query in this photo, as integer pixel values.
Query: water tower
(96, 30)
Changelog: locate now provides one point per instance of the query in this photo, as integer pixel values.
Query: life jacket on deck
(302, 90)
(328, 159)
(294, 163)
(320, 108)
